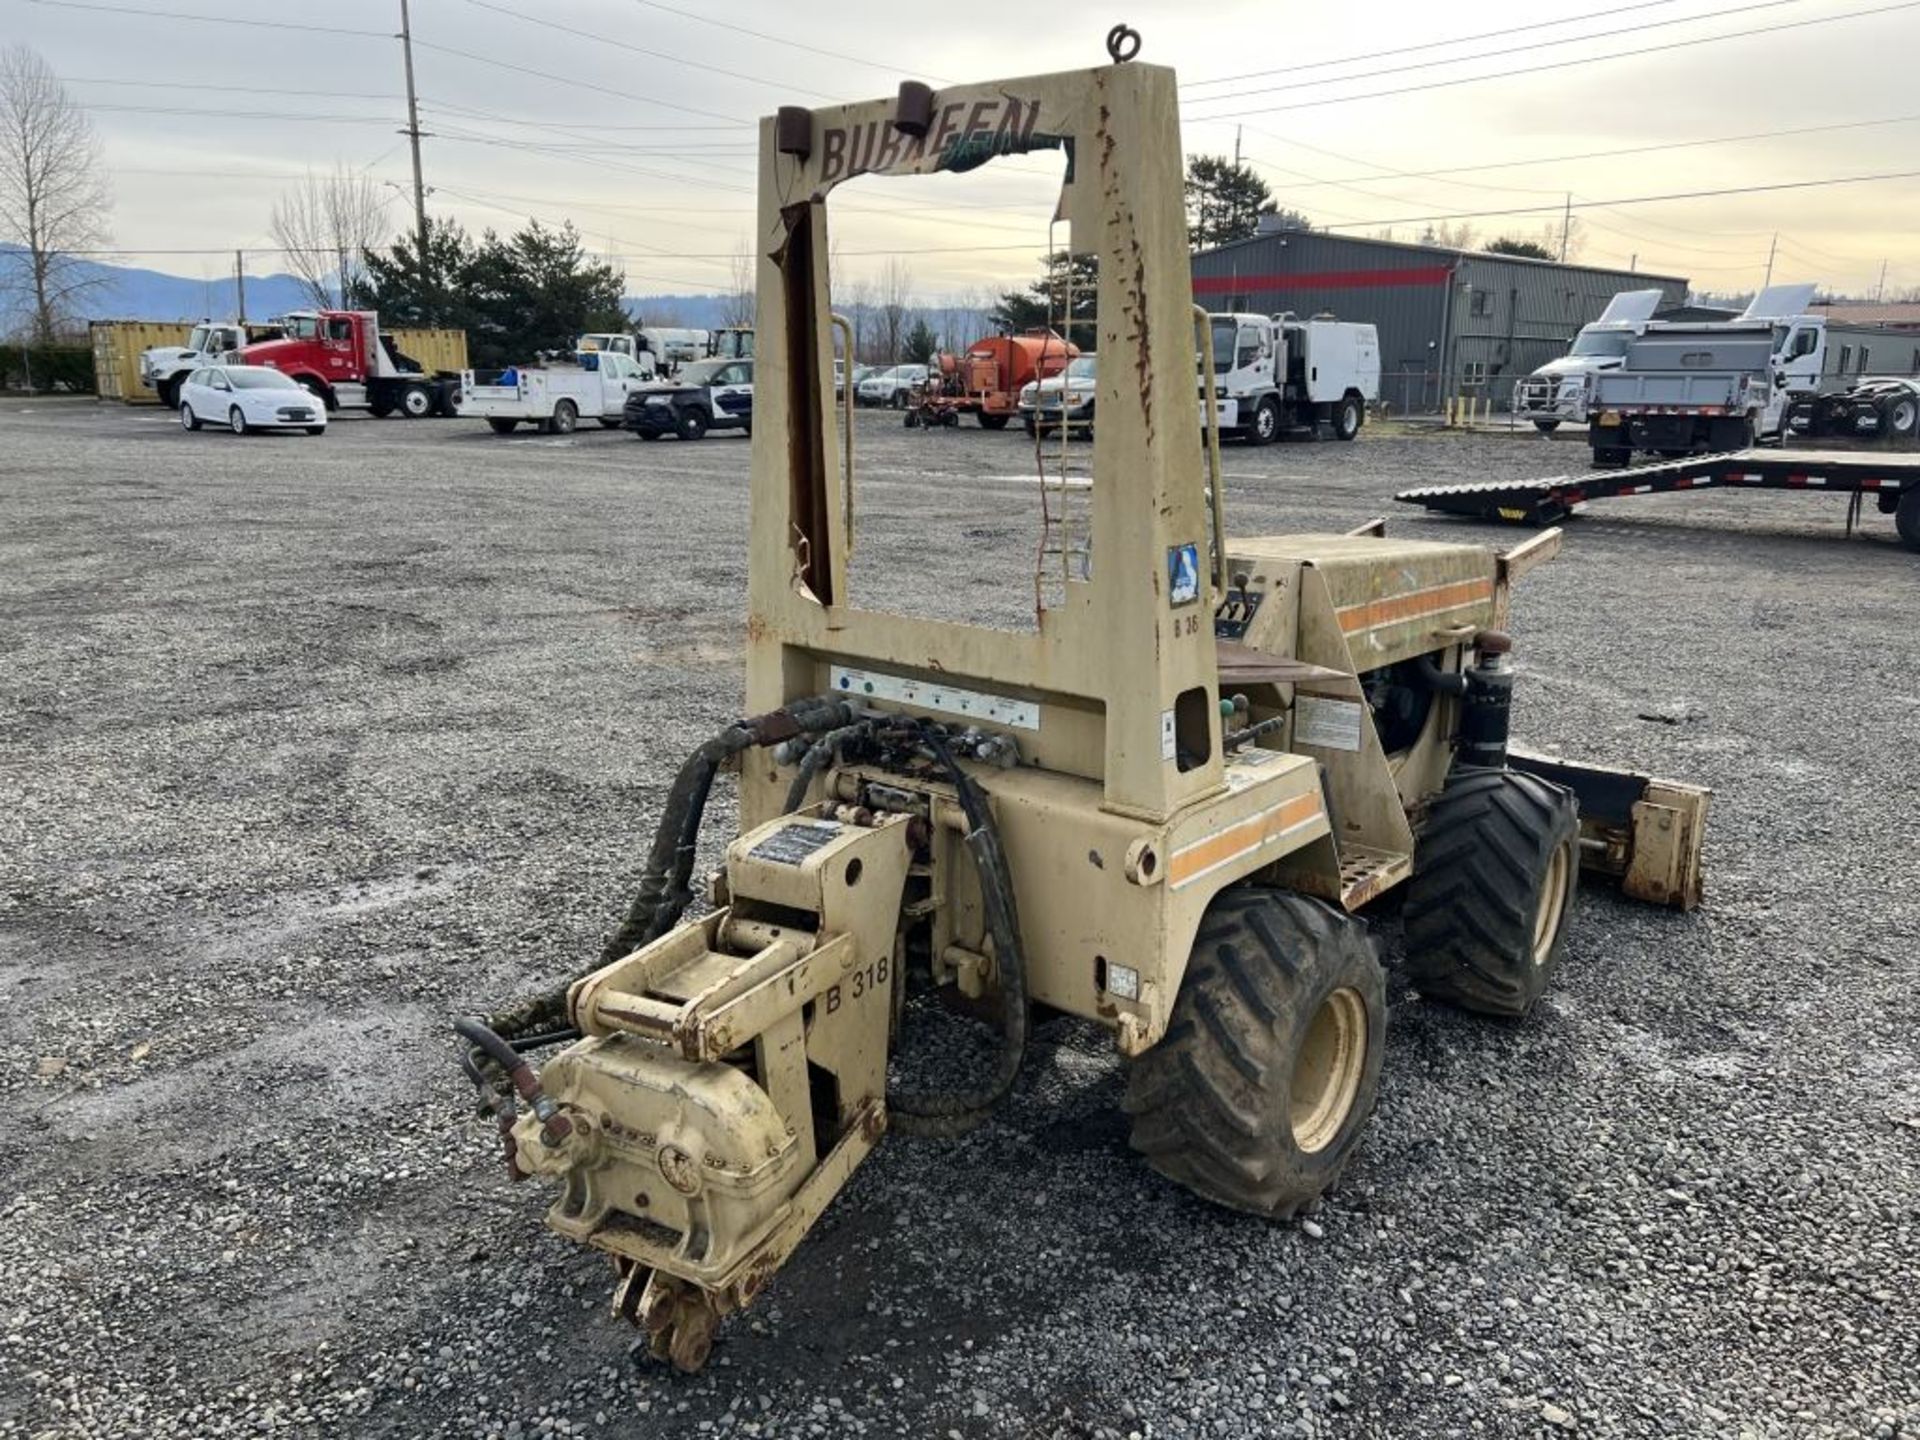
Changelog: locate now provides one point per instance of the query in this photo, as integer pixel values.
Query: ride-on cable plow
(1159, 810)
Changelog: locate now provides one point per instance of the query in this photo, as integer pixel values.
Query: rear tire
(993, 422)
(1495, 873)
(1900, 417)
(1546, 427)
(316, 429)
(1906, 518)
(1348, 418)
(500, 425)
(566, 415)
(1259, 1090)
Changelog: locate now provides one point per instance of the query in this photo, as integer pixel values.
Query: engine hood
(1579, 365)
(272, 352)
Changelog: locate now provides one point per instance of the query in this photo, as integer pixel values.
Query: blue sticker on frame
(1183, 574)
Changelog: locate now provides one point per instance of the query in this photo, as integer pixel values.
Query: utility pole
(1236, 146)
(1566, 227)
(240, 283)
(1772, 247)
(412, 132)
(1880, 290)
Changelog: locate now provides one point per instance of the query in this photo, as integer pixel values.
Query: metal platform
(1546, 502)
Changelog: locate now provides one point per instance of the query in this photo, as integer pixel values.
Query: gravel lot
(307, 745)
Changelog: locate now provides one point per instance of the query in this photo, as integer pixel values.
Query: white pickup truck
(556, 396)
(1557, 391)
(1273, 373)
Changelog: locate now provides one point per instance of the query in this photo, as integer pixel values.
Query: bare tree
(327, 224)
(53, 201)
(896, 293)
(860, 311)
(738, 306)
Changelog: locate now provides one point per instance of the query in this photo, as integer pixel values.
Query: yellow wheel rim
(1553, 904)
(1327, 1070)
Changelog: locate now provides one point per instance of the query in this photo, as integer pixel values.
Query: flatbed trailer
(1892, 479)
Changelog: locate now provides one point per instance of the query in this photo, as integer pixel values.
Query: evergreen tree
(1044, 303)
(1224, 201)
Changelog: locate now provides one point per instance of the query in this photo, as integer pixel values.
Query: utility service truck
(1273, 373)
(1692, 389)
(342, 357)
(556, 395)
(164, 367)
(1557, 391)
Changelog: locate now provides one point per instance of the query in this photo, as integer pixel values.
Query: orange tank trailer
(992, 372)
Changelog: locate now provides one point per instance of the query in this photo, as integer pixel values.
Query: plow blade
(1645, 832)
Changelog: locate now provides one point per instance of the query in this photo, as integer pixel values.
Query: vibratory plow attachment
(730, 1077)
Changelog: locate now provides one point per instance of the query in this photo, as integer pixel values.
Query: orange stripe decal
(1414, 605)
(1241, 838)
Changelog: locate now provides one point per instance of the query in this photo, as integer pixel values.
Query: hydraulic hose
(955, 1112)
(820, 754)
(664, 894)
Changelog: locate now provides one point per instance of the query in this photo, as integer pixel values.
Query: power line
(790, 44)
(1553, 65)
(596, 126)
(127, 82)
(601, 38)
(1507, 50)
(1442, 173)
(573, 82)
(1647, 199)
(146, 13)
(1434, 44)
(381, 120)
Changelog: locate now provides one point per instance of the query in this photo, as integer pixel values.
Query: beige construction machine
(1158, 810)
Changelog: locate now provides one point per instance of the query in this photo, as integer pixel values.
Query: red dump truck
(345, 360)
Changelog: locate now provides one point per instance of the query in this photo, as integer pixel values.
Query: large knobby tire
(1348, 417)
(1259, 1090)
(1906, 518)
(1494, 876)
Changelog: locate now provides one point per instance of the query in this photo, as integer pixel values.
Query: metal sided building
(1451, 322)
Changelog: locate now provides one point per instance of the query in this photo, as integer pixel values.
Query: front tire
(1266, 424)
(1348, 418)
(993, 422)
(237, 421)
(188, 420)
(169, 393)
(1262, 1085)
(416, 402)
(1495, 872)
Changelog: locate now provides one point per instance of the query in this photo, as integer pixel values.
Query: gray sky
(673, 203)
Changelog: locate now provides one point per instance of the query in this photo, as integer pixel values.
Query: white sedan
(245, 398)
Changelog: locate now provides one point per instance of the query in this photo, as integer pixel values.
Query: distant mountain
(127, 292)
(678, 312)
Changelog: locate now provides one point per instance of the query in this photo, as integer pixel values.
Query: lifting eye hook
(1123, 43)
